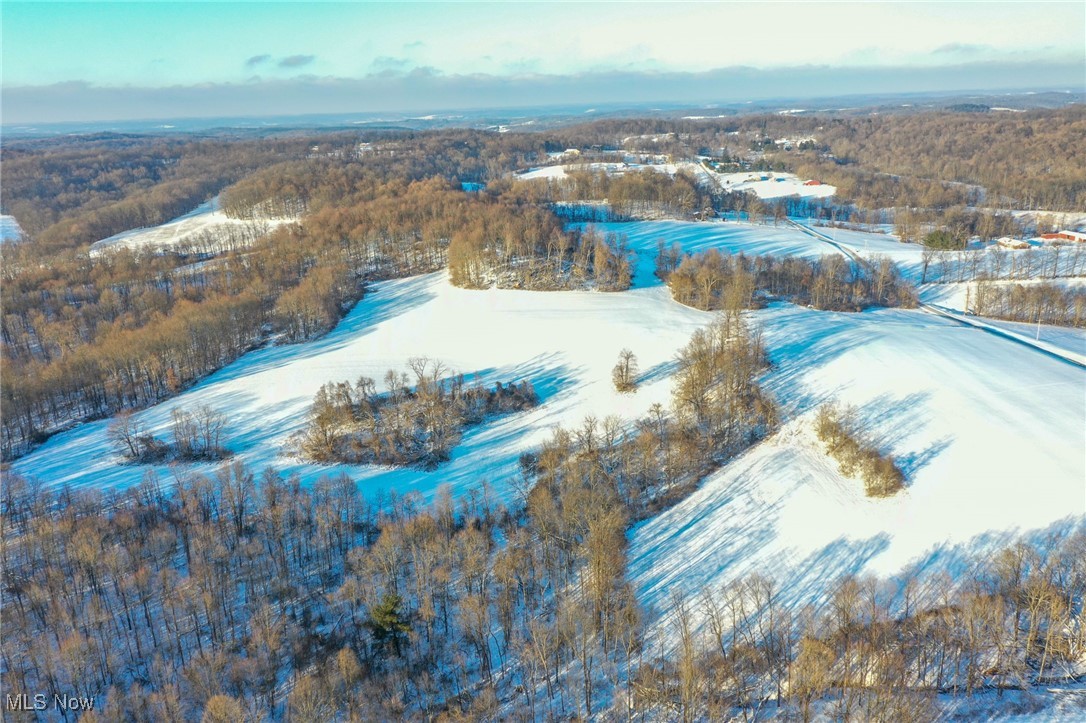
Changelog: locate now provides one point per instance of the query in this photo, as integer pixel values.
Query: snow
(776, 185)
(953, 297)
(1063, 219)
(1062, 704)
(694, 236)
(992, 436)
(565, 342)
(10, 230)
(543, 172)
(207, 217)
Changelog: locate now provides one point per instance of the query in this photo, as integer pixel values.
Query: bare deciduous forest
(244, 594)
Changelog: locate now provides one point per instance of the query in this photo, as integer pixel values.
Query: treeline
(244, 598)
(354, 424)
(929, 160)
(346, 164)
(1040, 302)
(711, 280)
(856, 456)
(197, 436)
(876, 650)
(89, 336)
(127, 367)
(629, 194)
(531, 251)
(996, 263)
(872, 189)
(1026, 159)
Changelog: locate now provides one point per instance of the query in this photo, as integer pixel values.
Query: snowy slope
(774, 185)
(208, 216)
(992, 436)
(564, 342)
(9, 229)
(695, 236)
(954, 296)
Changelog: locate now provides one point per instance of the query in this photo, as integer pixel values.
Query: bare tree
(624, 374)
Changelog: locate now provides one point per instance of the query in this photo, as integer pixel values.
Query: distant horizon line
(552, 110)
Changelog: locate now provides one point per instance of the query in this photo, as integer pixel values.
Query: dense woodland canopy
(1029, 160)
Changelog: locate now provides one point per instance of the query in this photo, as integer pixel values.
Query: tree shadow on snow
(807, 581)
(657, 372)
(489, 452)
(950, 565)
(386, 300)
(801, 341)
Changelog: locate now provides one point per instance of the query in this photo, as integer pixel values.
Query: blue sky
(144, 57)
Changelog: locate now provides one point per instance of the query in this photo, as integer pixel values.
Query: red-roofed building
(1076, 236)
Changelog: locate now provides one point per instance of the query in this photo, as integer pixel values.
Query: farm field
(206, 224)
(764, 185)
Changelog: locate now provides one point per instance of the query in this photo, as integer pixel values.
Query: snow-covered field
(207, 218)
(773, 185)
(9, 229)
(991, 434)
(954, 297)
(695, 236)
(611, 168)
(564, 342)
(766, 185)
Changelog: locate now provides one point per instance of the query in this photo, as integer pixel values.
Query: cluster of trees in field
(717, 410)
(532, 251)
(838, 429)
(356, 425)
(712, 280)
(996, 263)
(1042, 302)
(629, 194)
(624, 373)
(197, 435)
